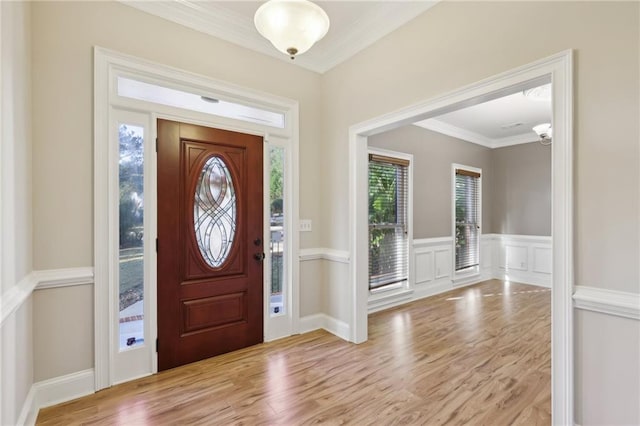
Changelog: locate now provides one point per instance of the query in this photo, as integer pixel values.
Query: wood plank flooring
(478, 355)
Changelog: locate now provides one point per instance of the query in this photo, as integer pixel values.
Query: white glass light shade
(540, 93)
(292, 26)
(544, 130)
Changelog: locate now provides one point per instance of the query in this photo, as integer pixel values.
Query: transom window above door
(143, 91)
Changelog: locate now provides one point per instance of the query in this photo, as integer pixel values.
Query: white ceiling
(501, 122)
(354, 25)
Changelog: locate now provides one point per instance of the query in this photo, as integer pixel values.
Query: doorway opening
(556, 69)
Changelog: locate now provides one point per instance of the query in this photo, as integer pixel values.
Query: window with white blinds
(467, 218)
(388, 244)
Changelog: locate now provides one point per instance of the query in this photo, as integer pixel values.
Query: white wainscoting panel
(521, 258)
(425, 263)
(432, 259)
(542, 260)
(443, 262)
(432, 274)
(514, 257)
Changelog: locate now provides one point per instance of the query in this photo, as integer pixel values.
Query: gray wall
(433, 154)
(516, 182)
(521, 189)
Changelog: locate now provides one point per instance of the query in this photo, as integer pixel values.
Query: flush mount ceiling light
(292, 26)
(544, 132)
(540, 93)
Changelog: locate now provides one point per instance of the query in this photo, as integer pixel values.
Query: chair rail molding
(13, 298)
(54, 278)
(605, 301)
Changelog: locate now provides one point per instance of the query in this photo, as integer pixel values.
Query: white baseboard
(55, 391)
(323, 321)
(318, 253)
(539, 280)
(29, 412)
(383, 301)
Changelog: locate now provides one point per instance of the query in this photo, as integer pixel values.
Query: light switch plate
(305, 225)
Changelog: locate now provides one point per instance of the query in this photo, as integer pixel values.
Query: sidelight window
(277, 243)
(131, 224)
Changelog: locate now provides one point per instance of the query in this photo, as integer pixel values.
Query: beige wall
(62, 331)
(64, 34)
(521, 189)
(457, 43)
(516, 182)
(453, 44)
(16, 339)
(433, 154)
(607, 381)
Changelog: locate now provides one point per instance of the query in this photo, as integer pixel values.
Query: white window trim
(404, 287)
(471, 273)
(107, 66)
(558, 69)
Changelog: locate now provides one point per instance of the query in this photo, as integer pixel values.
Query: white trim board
(55, 391)
(557, 69)
(321, 253)
(438, 126)
(39, 280)
(54, 278)
(605, 301)
(325, 322)
(13, 298)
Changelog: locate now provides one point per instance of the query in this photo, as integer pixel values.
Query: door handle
(259, 257)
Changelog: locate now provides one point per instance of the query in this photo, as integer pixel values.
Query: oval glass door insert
(214, 212)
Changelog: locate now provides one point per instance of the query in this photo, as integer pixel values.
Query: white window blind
(388, 245)
(467, 218)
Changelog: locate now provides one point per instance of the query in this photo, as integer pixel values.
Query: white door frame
(107, 106)
(559, 70)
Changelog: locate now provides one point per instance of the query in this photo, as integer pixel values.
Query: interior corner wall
(433, 154)
(516, 182)
(16, 349)
(521, 189)
(63, 37)
(456, 44)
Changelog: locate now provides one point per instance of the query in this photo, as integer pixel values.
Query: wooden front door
(210, 248)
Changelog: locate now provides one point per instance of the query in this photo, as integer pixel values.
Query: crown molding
(455, 131)
(473, 137)
(514, 140)
(220, 22)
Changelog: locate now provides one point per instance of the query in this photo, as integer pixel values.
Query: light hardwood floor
(478, 355)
